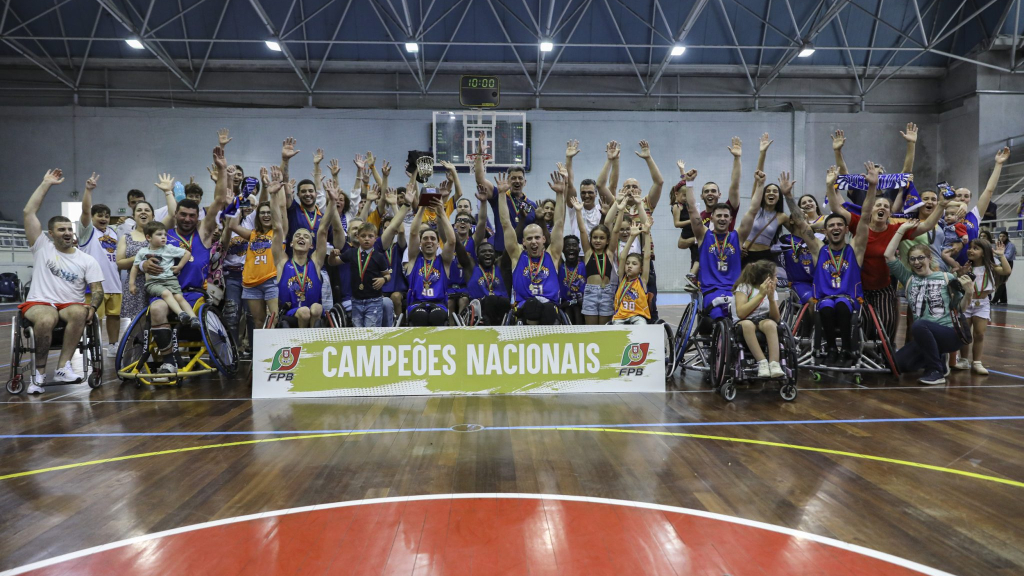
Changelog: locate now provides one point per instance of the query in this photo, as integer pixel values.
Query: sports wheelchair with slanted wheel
(195, 352)
(23, 342)
(872, 350)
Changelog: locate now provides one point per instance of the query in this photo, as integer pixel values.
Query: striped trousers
(887, 306)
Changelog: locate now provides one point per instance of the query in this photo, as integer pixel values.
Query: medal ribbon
(534, 270)
(602, 262)
(838, 267)
(302, 278)
(311, 221)
(489, 279)
(720, 246)
(364, 264)
(187, 245)
(427, 271)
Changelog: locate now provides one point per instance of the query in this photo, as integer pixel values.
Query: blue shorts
(805, 290)
(720, 311)
(456, 290)
(265, 291)
(830, 302)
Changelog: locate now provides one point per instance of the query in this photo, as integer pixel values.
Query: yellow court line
(563, 429)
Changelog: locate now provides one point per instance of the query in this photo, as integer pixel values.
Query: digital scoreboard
(480, 91)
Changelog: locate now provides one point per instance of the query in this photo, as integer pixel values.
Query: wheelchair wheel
(683, 334)
(218, 340)
(728, 391)
(883, 340)
(788, 392)
(721, 357)
(133, 351)
(95, 379)
(791, 348)
(15, 385)
(670, 349)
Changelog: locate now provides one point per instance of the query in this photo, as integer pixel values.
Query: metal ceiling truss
(547, 20)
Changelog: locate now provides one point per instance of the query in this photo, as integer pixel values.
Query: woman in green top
(931, 301)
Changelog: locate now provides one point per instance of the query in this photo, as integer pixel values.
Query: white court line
(557, 497)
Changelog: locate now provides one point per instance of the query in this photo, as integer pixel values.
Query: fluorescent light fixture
(134, 43)
(412, 47)
(273, 45)
(546, 46)
(678, 50)
(806, 51)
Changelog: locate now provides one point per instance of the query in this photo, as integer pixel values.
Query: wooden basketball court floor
(887, 477)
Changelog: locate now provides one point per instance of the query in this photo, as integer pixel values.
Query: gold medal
(360, 286)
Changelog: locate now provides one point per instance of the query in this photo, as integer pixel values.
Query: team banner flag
(322, 362)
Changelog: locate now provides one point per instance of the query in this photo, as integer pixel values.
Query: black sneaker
(932, 378)
(196, 324)
(831, 357)
(184, 319)
(846, 359)
(945, 364)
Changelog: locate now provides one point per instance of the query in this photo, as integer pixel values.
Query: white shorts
(978, 308)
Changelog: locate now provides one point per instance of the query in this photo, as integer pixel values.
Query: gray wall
(129, 146)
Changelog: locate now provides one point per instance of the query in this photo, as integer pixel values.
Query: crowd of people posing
(292, 250)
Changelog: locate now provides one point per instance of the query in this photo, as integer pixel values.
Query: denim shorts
(265, 291)
(598, 300)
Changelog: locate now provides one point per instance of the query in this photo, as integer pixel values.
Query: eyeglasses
(917, 258)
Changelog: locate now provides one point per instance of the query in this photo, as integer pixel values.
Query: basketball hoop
(425, 165)
(472, 157)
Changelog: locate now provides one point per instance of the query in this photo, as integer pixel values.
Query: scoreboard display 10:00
(480, 91)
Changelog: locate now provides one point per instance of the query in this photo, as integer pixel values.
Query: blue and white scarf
(859, 182)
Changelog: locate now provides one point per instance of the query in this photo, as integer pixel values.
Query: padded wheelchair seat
(738, 332)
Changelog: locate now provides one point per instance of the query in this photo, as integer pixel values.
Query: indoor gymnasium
(512, 287)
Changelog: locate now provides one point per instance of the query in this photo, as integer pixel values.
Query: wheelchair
(871, 347)
(402, 319)
(23, 342)
(733, 364)
(691, 342)
(512, 320)
(207, 350)
(333, 318)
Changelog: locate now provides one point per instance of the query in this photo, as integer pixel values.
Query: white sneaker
(775, 369)
(963, 364)
(111, 350)
(39, 378)
(66, 375)
(979, 369)
(34, 388)
(762, 369)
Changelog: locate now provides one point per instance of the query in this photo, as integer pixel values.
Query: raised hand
(759, 177)
(830, 176)
(445, 188)
(359, 161)
(911, 134)
(364, 175)
(557, 183)
(612, 150)
(572, 148)
(289, 186)
(999, 249)
(410, 195)
(333, 167)
(785, 184)
(374, 194)
(218, 159)
(55, 176)
(231, 173)
(222, 137)
(332, 190)
(318, 155)
(838, 139)
(264, 176)
(165, 183)
(483, 192)
(449, 169)
(1003, 155)
(736, 148)
(635, 229)
(765, 142)
(575, 203)
(385, 169)
(872, 171)
(501, 182)
(623, 198)
(391, 197)
(288, 148)
(212, 169)
(909, 225)
(370, 159)
(682, 168)
(562, 169)
(90, 184)
(645, 150)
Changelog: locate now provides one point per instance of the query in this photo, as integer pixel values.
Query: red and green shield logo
(286, 359)
(635, 354)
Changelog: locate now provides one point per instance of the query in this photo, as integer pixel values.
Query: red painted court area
(479, 535)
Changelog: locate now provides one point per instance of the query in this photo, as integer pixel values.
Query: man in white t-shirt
(592, 213)
(99, 240)
(59, 276)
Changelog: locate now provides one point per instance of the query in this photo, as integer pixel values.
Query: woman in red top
(879, 288)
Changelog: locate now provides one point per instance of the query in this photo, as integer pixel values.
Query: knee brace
(163, 338)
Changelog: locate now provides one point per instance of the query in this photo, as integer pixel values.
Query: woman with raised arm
(128, 245)
(932, 297)
(259, 273)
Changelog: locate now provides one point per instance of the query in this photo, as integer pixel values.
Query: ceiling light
(806, 51)
(134, 43)
(273, 45)
(678, 50)
(412, 47)
(546, 46)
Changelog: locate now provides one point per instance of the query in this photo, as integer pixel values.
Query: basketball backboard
(505, 137)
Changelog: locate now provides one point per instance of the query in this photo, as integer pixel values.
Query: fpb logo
(286, 359)
(635, 354)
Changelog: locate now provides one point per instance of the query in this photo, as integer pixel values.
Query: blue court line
(551, 427)
(1007, 374)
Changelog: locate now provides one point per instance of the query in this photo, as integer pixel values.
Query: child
(954, 236)
(368, 272)
(980, 260)
(599, 270)
(758, 309)
(165, 284)
(632, 302)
